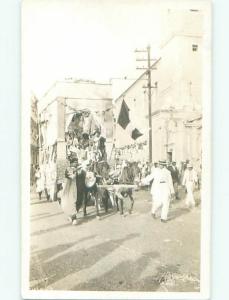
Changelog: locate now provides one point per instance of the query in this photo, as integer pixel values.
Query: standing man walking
(175, 176)
(190, 180)
(161, 190)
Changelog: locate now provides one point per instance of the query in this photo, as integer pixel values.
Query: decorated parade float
(76, 121)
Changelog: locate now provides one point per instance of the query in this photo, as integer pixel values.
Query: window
(194, 47)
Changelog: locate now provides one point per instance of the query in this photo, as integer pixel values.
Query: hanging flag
(123, 118)
(125, 122)
(133, 131)
(136, 134)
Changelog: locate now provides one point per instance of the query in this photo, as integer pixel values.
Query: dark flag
(123, 118)
(136, 134)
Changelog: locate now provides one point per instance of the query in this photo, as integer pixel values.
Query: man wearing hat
(190, 180)
(161, 190)
(175, 176)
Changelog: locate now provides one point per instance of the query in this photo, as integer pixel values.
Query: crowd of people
(88, 167)
(164, 179)
(44, 178)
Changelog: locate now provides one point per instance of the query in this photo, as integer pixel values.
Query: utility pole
(167, 122)
(149, 68)
(149, 104)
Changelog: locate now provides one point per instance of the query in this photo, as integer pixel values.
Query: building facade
(34, 145)
(177, 98)
(34, 138)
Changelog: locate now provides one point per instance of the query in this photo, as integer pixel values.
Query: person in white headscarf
(69, 193)
(190, 181)
(39, 177)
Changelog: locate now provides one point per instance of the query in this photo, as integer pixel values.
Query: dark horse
(100, 195)
(85, 193)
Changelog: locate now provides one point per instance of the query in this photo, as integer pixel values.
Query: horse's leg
(106, 202)
(116, 200)
(85, 204)
(98, 200)
(105, 198)
(132, 202)
(112, 198)
(121, 205)
(95, 195)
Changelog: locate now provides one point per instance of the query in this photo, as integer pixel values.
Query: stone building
(177, 98)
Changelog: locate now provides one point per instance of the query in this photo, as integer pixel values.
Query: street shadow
(123, 277)
(39, 202)
(44, 217)
(39, 232)
(177, 212)
(110, 213)
(38, 215)
(92, 215)
(45, 254)
(85, 219)
(72, 262)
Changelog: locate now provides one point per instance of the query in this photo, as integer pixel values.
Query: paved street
(130, 253)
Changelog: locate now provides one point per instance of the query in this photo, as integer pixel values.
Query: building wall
(136, 99)
(179, 74)
(34, 134)
(49, 125)
(180, 22)
(172, 134)
(179, 94)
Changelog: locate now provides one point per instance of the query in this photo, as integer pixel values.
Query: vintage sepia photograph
(116, 135)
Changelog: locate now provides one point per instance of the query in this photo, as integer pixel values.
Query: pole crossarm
(152, 87)
(140, 50)
(143, 68)
(143, 59)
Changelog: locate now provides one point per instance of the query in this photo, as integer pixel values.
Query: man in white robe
(161, 190)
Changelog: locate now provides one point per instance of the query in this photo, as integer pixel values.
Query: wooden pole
(149, 105)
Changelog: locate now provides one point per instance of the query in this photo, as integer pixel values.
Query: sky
(90, 39)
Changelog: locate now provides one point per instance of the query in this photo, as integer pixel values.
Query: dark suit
(174, 173)
(175, 177)
(80, 183)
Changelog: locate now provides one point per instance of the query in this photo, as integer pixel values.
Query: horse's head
(90, 179)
